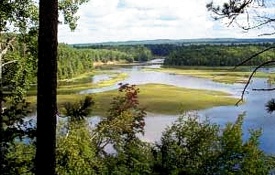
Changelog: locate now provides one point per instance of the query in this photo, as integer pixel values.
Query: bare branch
(9, 62)
(268, 89)
(7, 46)
(250, 77)
(266, 34)
(232, 9)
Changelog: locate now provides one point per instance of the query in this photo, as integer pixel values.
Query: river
(256, 116)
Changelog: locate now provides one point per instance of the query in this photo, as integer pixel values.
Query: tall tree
(45, 160)
(47, 83)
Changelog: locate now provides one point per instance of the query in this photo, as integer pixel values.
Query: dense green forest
(73, 62)
(135, 53)
(218, 55)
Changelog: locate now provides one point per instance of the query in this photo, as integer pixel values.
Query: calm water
(256, 116)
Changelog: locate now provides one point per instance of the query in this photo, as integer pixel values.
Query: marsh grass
(217, 74)
(76, 85)
(158, 98)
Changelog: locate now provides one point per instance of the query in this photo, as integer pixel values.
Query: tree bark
(46, 92)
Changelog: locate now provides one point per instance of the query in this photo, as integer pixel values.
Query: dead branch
(250, 77)
(7, 46)
(263, 89)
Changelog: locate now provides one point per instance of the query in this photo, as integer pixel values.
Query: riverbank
(84, 81)
(217, 74)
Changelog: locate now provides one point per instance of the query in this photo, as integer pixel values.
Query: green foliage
(16, 156)
(136, 158)
(213, 55)
(73, 62)
(78, 111)
(241, 157)
(161, 49)
(75, 152)
(21, 15)
(19, 159)
(190, 146)
(186, 147)
(69, 9)
(119, 129)
(130, 53)
(124, 120)
(75, 149)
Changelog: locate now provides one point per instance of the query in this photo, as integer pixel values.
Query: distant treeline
(228, 54)
(73, 61)
(134, 52)
(218, 55)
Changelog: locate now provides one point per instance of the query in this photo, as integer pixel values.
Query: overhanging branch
(250, 77)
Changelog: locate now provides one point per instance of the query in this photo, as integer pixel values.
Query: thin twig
(250, 77)
(263, 89)
(267, 34)
(9, 62)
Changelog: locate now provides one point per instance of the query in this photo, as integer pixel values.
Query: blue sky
(124, 20)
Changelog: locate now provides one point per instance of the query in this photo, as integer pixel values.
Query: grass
(217, 74)
(78, 79)
(159, 98)
(77, 84)
(165, 99)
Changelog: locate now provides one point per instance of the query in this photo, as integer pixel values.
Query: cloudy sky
(124, 20)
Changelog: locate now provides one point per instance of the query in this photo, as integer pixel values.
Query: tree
(47, 84)
(255, 18)
(192, 146)
(47, 79)
(19, 25)
(125, 119)
(17, 19)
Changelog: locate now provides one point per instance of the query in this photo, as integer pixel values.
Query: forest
(46, 126)
(221, 55)
(188, 146)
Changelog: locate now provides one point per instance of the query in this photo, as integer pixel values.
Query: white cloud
(120, 20)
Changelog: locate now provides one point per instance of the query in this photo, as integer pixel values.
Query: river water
(256, 116)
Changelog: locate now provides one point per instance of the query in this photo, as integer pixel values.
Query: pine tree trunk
(46, 91)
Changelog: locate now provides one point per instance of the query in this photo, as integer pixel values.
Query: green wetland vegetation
(167, 100)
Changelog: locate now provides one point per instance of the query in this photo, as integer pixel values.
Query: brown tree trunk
(46, 92)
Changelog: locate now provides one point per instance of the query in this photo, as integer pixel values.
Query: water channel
(256, 116)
